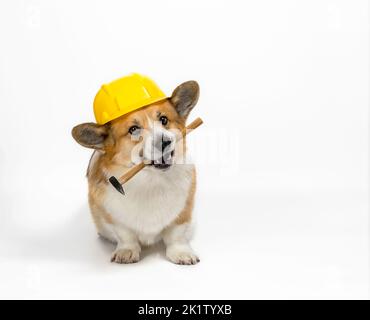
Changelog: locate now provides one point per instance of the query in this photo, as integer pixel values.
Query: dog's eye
(133, 129)
(164, 120)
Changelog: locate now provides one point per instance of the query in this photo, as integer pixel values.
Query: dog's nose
(165, 143)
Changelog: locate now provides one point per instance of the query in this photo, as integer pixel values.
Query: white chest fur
(153, 199)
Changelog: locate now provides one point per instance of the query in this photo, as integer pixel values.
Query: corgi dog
(159, 200)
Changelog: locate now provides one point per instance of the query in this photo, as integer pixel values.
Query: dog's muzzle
(165, 161)
(163, 153)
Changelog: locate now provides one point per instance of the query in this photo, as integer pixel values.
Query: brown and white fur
(159, 200)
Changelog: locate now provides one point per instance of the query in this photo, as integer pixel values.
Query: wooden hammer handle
(134, 170)
(129, 174)
(193, 125)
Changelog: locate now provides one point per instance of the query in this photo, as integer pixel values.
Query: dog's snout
(165, 143)
(160, 147)
(162, 143)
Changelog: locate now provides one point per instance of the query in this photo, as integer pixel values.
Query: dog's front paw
(182, 255)
(125, 256)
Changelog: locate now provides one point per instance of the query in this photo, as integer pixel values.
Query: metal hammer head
(115, 183)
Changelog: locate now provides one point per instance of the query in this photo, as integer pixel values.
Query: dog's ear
(91, 135)
(185, 97)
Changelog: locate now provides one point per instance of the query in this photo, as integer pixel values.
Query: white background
(282, 203)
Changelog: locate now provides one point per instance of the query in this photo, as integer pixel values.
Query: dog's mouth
(164, 162)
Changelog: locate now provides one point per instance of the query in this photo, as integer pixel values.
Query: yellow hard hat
(125, 95)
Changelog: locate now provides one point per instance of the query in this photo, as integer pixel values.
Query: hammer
(117, 183)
